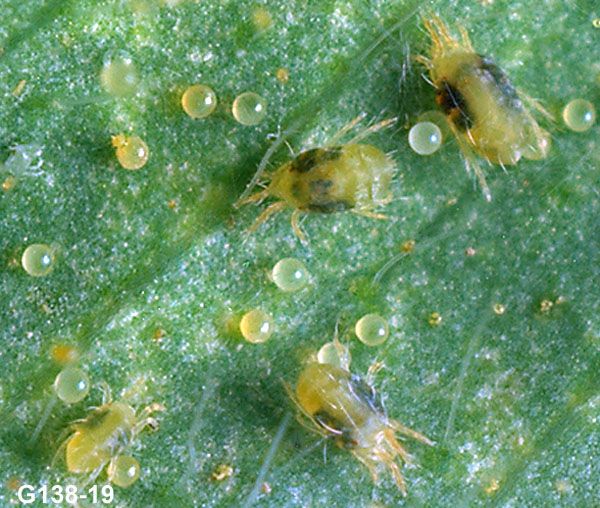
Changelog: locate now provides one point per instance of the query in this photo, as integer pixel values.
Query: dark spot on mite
(96, 418)
(305, 162)
(296, 189)
(320, 188)
(320, 200)
(309, 160)
(346, 440)
(328, 207)
(453, 104)
(508, 93)
(328, 422)
(343, 435)
(366, 394)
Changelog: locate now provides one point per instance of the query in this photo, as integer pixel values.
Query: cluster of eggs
(198, 101)
(120, 78)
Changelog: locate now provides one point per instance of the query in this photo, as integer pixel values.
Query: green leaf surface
(153, 271)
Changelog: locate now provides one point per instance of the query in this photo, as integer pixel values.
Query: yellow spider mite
(330, 179)
(485, 111)
(101, 437)
(343, 407)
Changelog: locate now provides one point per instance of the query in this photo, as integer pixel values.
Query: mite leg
(398, 477)
(267, 212)
(480, 176)
(370, 465)
(373, 128)
(349, 126)
(471, 162)
(409, 432)
(296, 226)
(466, 41)
(145, 420)
(106, 393)
(391, 440)
(253, 198)
(368, 213)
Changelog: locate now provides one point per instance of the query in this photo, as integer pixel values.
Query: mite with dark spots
(454, 106)
(484, 110)
(353, 177)
(309, 159)
(342, 407)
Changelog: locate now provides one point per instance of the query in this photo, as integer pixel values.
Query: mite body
(485, 111)
(101, 437)
(353, 177)
(327, 180)
(344, 408)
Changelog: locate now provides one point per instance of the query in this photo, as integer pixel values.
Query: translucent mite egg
(131, 151)
(256, 326)
(123, 471)
(335, 353)
(579, 115)
(437, 117)
(290, 274)
(249, 108)
(72, 385)
(499, 308)
(120, 77)
(372, 329)
(199, 101)
(38, 259)
(425, 138)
